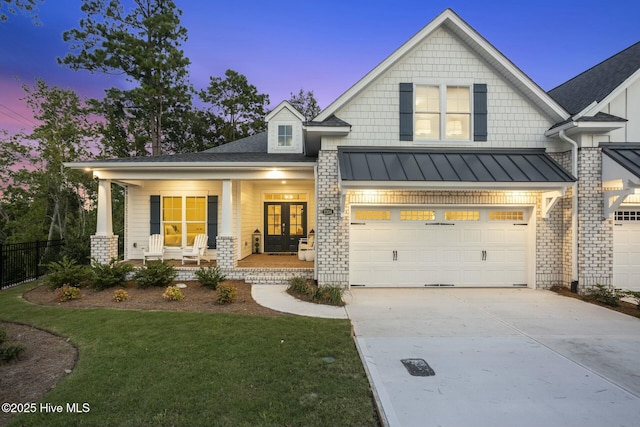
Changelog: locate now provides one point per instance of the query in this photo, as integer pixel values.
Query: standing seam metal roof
(526, 165)
(627, 155)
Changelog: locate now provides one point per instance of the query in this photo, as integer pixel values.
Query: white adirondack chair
(196, 252)
(306, 248)
(155, 250)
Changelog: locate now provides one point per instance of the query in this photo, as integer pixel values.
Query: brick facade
(104, 248)
(595, 233)
(227, 248)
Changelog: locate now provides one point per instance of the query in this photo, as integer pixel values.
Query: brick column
(104, 248)
(332, 234)
(227, 247)
(595, 233)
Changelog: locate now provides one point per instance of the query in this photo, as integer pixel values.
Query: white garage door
(626, 249)
(398, 246)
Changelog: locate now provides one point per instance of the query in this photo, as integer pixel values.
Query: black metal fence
(20, 262)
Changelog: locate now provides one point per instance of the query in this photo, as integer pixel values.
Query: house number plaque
(327, 211)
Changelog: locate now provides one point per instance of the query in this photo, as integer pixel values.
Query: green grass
(158, 368)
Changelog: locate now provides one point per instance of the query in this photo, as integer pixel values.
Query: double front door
(285, 223)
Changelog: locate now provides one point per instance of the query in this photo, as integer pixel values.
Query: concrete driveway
(512, 357)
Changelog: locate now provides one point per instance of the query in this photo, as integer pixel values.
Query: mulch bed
(196, 298)
(623, 307)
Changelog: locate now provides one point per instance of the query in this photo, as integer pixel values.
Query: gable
(284, 129)
(442, 58)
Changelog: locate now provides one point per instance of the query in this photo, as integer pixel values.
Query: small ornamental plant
(173, 293)
(67, 293)
(120, 295)
(226, 294)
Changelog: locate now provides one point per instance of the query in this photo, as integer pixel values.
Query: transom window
(373, 215)
(627, 216)
(506, 216)
(417, 215)
(462, 215)
(441, 107)
(285, 196)
(285, 135)
(183, 218)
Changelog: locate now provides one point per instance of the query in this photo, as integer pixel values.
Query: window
(627, 216)
(285, 135)
(373, 215)
(462, 215)
(183, 218)
(431, 101)
(506, 216)
(417, 215)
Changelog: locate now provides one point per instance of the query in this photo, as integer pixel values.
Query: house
(445, 165)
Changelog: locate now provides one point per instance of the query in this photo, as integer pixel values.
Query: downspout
(574, 205)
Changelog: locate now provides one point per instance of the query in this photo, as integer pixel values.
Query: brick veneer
(595, 233)
(104, 248)
(227, 247)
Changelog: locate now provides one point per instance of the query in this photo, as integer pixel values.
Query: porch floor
(265, 261)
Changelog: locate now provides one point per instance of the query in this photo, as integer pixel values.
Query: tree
(144, 45)
(42, 199)
(26, 7)
(238, 110)
(305, 103)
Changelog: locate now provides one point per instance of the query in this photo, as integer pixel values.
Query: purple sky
(324, 46)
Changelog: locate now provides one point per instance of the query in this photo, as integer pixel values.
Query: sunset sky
(282, 46)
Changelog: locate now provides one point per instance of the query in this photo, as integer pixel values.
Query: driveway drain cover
(418, 367)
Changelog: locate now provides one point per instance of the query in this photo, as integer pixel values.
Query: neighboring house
(443, 166)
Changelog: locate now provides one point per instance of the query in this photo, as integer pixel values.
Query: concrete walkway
(510, 357)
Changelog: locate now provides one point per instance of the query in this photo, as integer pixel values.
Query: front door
(285, 223)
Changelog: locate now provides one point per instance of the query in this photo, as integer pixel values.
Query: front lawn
(183, 368)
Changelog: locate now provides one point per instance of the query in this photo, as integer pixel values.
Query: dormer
(284, 126)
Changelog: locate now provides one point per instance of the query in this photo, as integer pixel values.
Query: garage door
(626, 249)
(397, 246)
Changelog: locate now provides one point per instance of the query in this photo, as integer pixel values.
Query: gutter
(574, 205)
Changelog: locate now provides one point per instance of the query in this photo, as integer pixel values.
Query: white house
(444, 166)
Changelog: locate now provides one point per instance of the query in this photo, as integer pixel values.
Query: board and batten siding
(138, 212)
(512, 120)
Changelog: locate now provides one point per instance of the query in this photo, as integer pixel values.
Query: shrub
(210, 277)
(307, 290)
(155, 273)
(8, 352)
(226, 294)
(605, 295)
(67, 293)
(66, 272)
(108, 275)
(300, 285)
(173, 293)
(330, 294)
(120, 295)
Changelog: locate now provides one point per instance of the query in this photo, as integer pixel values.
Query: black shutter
(154, 222)
(212, 220)
(479, 112)
(406, 111)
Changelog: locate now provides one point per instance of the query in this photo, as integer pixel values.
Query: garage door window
(462, 215)
(506, 216)
(373, 215)
(417, 215)
(627, 215)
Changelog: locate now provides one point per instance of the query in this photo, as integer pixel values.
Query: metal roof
(436, 165)
(626, 155)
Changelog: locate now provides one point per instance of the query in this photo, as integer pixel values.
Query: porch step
(273, 279)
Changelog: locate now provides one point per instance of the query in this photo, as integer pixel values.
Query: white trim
(104, 225)
(593, 109)
(284, 105)
(549, 200)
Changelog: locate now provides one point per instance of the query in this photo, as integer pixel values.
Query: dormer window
(285, 135)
